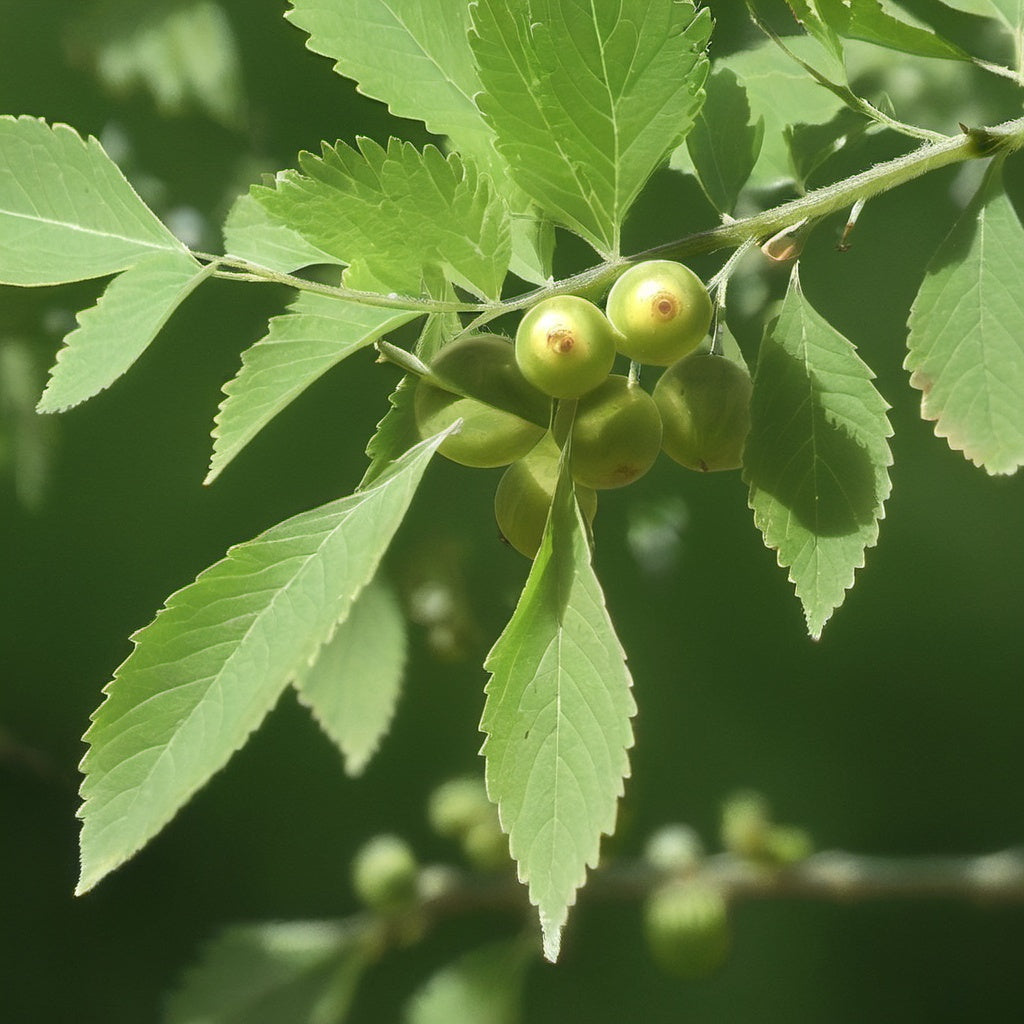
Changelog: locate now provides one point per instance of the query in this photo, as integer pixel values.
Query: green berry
(384, 874)
(524, 494)
(687, 928)
(704, 401)
(457, 805)
(492, 434)
(661, 311)
(565, 346)
(746, 825)
(486, 846)
(674, 849)
(616, 434)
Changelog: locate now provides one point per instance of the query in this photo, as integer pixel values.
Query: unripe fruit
(457, 805)
(384, 874)
(704, 401)
(661, 311)
(616, 434)
(523, 497)
(687, 928)
(483, 365)
(565, 346)
(674, 849)
(486, 846)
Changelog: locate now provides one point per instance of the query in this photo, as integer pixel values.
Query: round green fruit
(704, 401)
(384, 874)
(687, 928)
(458, 804)
(523, 497)
(616, 434)
(661, 311)
(565, 346)
(491, 433)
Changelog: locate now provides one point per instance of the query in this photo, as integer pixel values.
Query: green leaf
(817, 457)
(183, 54)
(251, 233)
(211, 665)
(723, 145)
(120, 327)
(806, 12)
(870, 21)
(482, 987)
(66, 211)
(300, 346)
(584, 125)
(557, 719)
(779, 93)
(966, 346)
(305, 972)
(354, 684)
(414, 55)
(397, 212)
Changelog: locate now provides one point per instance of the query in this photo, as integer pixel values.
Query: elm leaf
(966, 344)
(817, 458)
(214, 661)
(557, 719)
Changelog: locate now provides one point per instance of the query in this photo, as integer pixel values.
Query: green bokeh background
(898, 733)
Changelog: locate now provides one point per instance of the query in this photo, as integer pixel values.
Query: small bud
(687, 928)
(384, 874)
(486, 846)
(746, 822)
(788, 844)
(457, 805)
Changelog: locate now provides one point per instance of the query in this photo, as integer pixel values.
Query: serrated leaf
(966, 345)
(397, 212)
(779, 93)
(557, 719)
(354, 684)
(183, 54)
(583, 126)
(414, 56)
(66, 211)
(723, 145)
(482, 987)
(817, 457)
(299, 347)
(211, 665)
(120, 327)
(251, 233)
(305, 972)
(869, 21)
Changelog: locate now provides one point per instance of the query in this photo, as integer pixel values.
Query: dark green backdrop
(898, 733)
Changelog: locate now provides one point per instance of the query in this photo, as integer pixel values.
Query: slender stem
(971, 144)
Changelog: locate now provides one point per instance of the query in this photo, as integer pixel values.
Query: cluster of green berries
(657, 313)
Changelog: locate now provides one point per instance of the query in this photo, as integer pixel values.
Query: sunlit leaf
(120, 327)
(397, 212)
(966, 346)
(557, 719)
(482, 987)
(254, 235)
(211, 665)
(817, 457)
(299, 347)
(872, 22)
(303, 972)
(807, 13)
(354, 684)
(66, 211)
(723, 145)
(583, 126)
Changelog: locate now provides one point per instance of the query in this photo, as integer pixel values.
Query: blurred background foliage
(898, 733)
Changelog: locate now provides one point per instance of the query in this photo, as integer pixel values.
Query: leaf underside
(817, 458)
(966, 343)
(353, 685)
(557, 719)
(211, 665)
